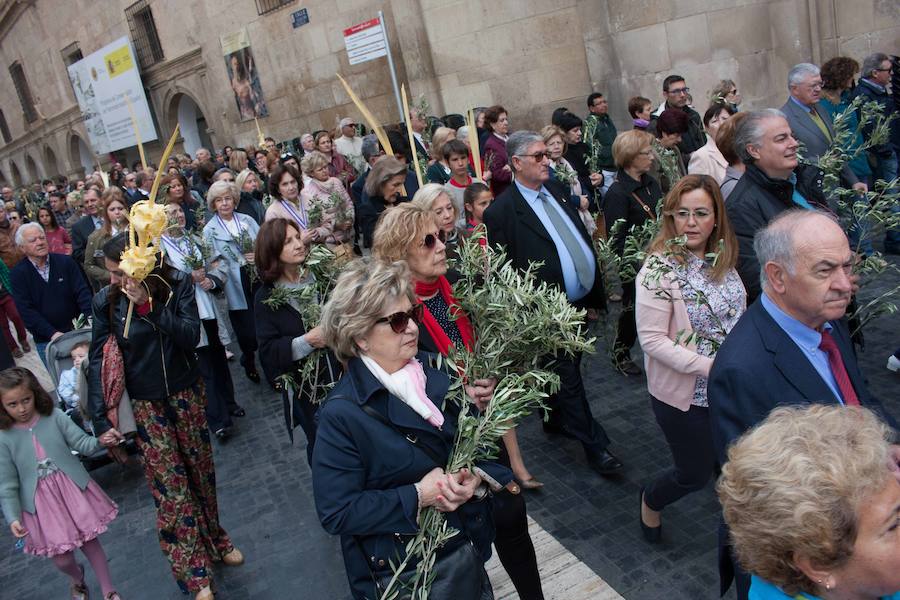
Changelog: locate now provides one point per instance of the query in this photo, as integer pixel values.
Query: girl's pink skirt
(65, 516)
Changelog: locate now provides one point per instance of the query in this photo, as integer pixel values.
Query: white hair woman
(232, 235)
(813, 505)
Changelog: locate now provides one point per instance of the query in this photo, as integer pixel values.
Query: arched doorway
(31, 169)
(192, 123)
(80, 154)
(50, 163)
(15, 174)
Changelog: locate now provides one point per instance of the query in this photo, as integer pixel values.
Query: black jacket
(160, 352)
(251, 206)
(512, 224)
(873, 94)
(619, 203)
(81, 230)
(370, 208)
(756, 200)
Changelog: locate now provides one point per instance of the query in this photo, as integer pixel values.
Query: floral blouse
(726, 301)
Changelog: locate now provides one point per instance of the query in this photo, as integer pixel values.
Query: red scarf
(442, 286)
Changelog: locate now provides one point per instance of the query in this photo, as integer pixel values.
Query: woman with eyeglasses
(328, 202)
(58, 240)
(338, 166)
(632, 198)
(686, 305)
(411, 233)
(232, 236)
(285, 338)
(385, 435)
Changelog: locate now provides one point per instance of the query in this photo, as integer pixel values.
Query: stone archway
(51, 165)
(31, 169)
(185, 111)
(15, 174)
(80, 155)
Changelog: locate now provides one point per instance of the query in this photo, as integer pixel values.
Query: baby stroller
(59, 360)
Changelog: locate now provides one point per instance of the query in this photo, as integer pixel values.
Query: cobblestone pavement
(265, 500)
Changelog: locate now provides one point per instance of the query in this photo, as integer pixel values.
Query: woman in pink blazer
(686, 304)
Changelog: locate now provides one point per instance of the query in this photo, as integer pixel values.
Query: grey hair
(775, 242)
(219, 189)
(750, 132)
(364, 289)
(370, 147)
(20, 232)
(799, 73)
(518, 143)
(463, 133)
(872, 62)
(428, 193)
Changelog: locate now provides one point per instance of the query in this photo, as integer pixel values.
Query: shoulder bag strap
(643, 204)
(412, 439)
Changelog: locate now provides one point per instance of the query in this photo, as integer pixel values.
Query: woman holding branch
(232, 236)
(411, 233)
(385, 435)
(168, 398)
(285, 335)
(330, 207)
(687, 302)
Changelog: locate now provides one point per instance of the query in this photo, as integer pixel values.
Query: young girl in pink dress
(46, 494)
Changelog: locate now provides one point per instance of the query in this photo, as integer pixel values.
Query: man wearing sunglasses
(677, 96)
(533, 222)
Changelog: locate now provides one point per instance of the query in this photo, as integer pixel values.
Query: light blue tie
(583, 268)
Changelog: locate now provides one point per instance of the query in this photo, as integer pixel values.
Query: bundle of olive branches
(322, 268)
(518, 322)
(865, 213)
(594, 147)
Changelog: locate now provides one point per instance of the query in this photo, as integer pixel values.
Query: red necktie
(829, 347)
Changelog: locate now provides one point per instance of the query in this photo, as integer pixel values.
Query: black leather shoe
(223, 434)
(252, 375)
(651, 534)
(238, 412)
(554, 429)
(604, 463)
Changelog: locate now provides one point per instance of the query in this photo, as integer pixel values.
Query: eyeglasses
(431, 239)
(683, 214)
(538, 156)
(400, 320)
(884, 70)
(684, 90)
(646, 152)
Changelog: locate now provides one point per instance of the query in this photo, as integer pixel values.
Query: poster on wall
(243, 76)
(105, 82)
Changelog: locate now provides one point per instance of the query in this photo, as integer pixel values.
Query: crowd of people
(739, 306)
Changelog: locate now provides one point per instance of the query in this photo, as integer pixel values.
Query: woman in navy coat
(385, 433)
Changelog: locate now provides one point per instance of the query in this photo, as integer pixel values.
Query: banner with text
(102, 82)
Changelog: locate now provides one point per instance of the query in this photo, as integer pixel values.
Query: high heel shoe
(530, 484)
(651, 534)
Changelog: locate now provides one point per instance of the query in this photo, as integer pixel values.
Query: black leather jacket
(159, 354)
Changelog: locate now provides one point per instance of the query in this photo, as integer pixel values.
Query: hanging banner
(243, 76)
(104, 83)
(365, 41)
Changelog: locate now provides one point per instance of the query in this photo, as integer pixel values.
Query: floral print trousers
(173, 440)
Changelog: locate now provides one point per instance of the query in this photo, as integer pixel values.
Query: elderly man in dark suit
(812, 125)
(792, 346)
(536, 224)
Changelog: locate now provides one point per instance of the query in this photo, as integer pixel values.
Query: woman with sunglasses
(284, 338)
(686, 305)
(385, 434)
(410, 233)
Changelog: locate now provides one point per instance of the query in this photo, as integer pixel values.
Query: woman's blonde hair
(794, 487)
(627, 146)
(312, 161)
(399, 228)
(428, 193)
(722, 234)
(362, 293)
(440, 137)
(241, 179)
(548, 132)
(238, 160)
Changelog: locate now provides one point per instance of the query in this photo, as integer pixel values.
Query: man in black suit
(536, 224)
(87, 224)
(792, 346)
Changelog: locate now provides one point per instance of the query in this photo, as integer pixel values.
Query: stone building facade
(529, 55)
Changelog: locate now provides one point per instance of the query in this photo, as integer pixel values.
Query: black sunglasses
(431, 239)
(399, 320)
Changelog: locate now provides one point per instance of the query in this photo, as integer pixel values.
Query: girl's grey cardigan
(56, 433)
